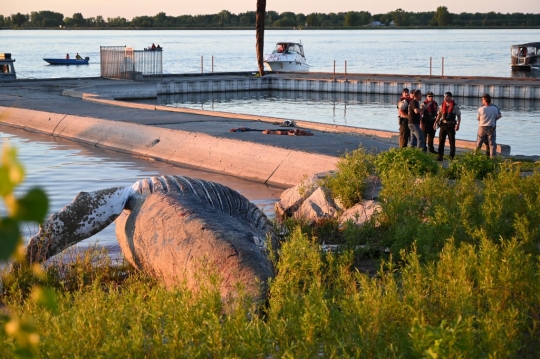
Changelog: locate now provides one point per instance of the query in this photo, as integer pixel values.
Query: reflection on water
(64, 168)
(533, 73)
(519, 127)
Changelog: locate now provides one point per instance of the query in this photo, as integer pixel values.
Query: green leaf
(33, 206)
(9, 237)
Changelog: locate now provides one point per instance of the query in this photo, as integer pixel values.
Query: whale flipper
(89, 213)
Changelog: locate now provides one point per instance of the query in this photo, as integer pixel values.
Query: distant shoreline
(368, 28)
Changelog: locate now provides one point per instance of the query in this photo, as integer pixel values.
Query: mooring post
(345, 71)
(430, 65)
(212, 63)
(334, 77)
(202, 71)
(443, 67)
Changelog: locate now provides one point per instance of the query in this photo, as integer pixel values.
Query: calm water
(519, 127)
(64, 168)
(465, 52)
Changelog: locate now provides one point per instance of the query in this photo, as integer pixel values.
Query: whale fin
(89, 213)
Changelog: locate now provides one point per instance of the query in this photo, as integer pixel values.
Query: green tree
(19, 19)
(400, 17)
(312, 20)
(442, 17)
(352, 19)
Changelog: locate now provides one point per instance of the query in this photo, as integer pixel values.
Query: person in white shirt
(488, 115)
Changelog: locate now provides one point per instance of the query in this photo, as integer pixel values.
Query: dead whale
(173, 227)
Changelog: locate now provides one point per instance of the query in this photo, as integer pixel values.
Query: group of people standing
(418, 122)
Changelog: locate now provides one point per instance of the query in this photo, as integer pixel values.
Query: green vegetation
(349, 183)
(461, 280)
(409, 159)
(273, 19)
(476, 163)
(31, 207)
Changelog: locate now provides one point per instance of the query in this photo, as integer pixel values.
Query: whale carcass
(175, 228)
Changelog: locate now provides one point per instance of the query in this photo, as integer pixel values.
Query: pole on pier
(443, 67)
(345, 70)
(334, 77)
(202, 69)
(212, 63)
(430, 65)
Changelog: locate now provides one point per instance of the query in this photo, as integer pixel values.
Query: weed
(410, 160)
(474, 162)
(349, 182)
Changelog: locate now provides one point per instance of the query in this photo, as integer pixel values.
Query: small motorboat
(68, 61)
(287, 57)
(525, 56)
(7, 69)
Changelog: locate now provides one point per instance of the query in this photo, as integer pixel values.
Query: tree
(19, 19)
(442, 16)
(400, 17)
(259, 34)
(352, 19)
(312, 20)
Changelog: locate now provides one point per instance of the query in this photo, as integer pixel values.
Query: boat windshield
(288, 48)
(525, 51)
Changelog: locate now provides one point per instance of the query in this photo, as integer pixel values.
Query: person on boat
(403, 118)
(488, 115)
(67, 56)
(448, 118)
(428, 121)
(415, 114)
(153, 46)
(158, 47)
(281, 48)
(78, 57)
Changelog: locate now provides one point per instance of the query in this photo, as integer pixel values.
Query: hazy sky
(131, 8)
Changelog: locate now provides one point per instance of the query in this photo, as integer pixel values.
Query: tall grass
(462, 281)
(475, 300)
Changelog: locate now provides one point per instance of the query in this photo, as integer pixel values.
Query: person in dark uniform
(448, 118)
(415, 115)
(428, 121)
(403, 118)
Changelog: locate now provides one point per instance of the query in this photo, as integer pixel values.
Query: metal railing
(120, 62)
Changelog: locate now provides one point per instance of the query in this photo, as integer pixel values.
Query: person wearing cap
(488, 115)
(415, 114)
(449, 119)
(403, 118)
(428, 121)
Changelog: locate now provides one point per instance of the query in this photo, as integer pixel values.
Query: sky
(131, 8)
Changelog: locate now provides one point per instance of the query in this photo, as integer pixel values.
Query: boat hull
(286, 66)
(67, 61)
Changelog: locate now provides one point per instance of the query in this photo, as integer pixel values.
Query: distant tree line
(224, 19)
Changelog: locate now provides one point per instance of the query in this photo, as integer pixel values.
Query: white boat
(525, 56)
(7, 69)
(287, 57)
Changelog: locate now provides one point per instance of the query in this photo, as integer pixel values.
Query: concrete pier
(497, 87)
(513, 88)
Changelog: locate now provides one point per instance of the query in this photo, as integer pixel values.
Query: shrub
(411, 160)
(475, 162)
(349, 182)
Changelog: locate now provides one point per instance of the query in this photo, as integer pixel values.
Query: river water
(466, 52)
(64, 168)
